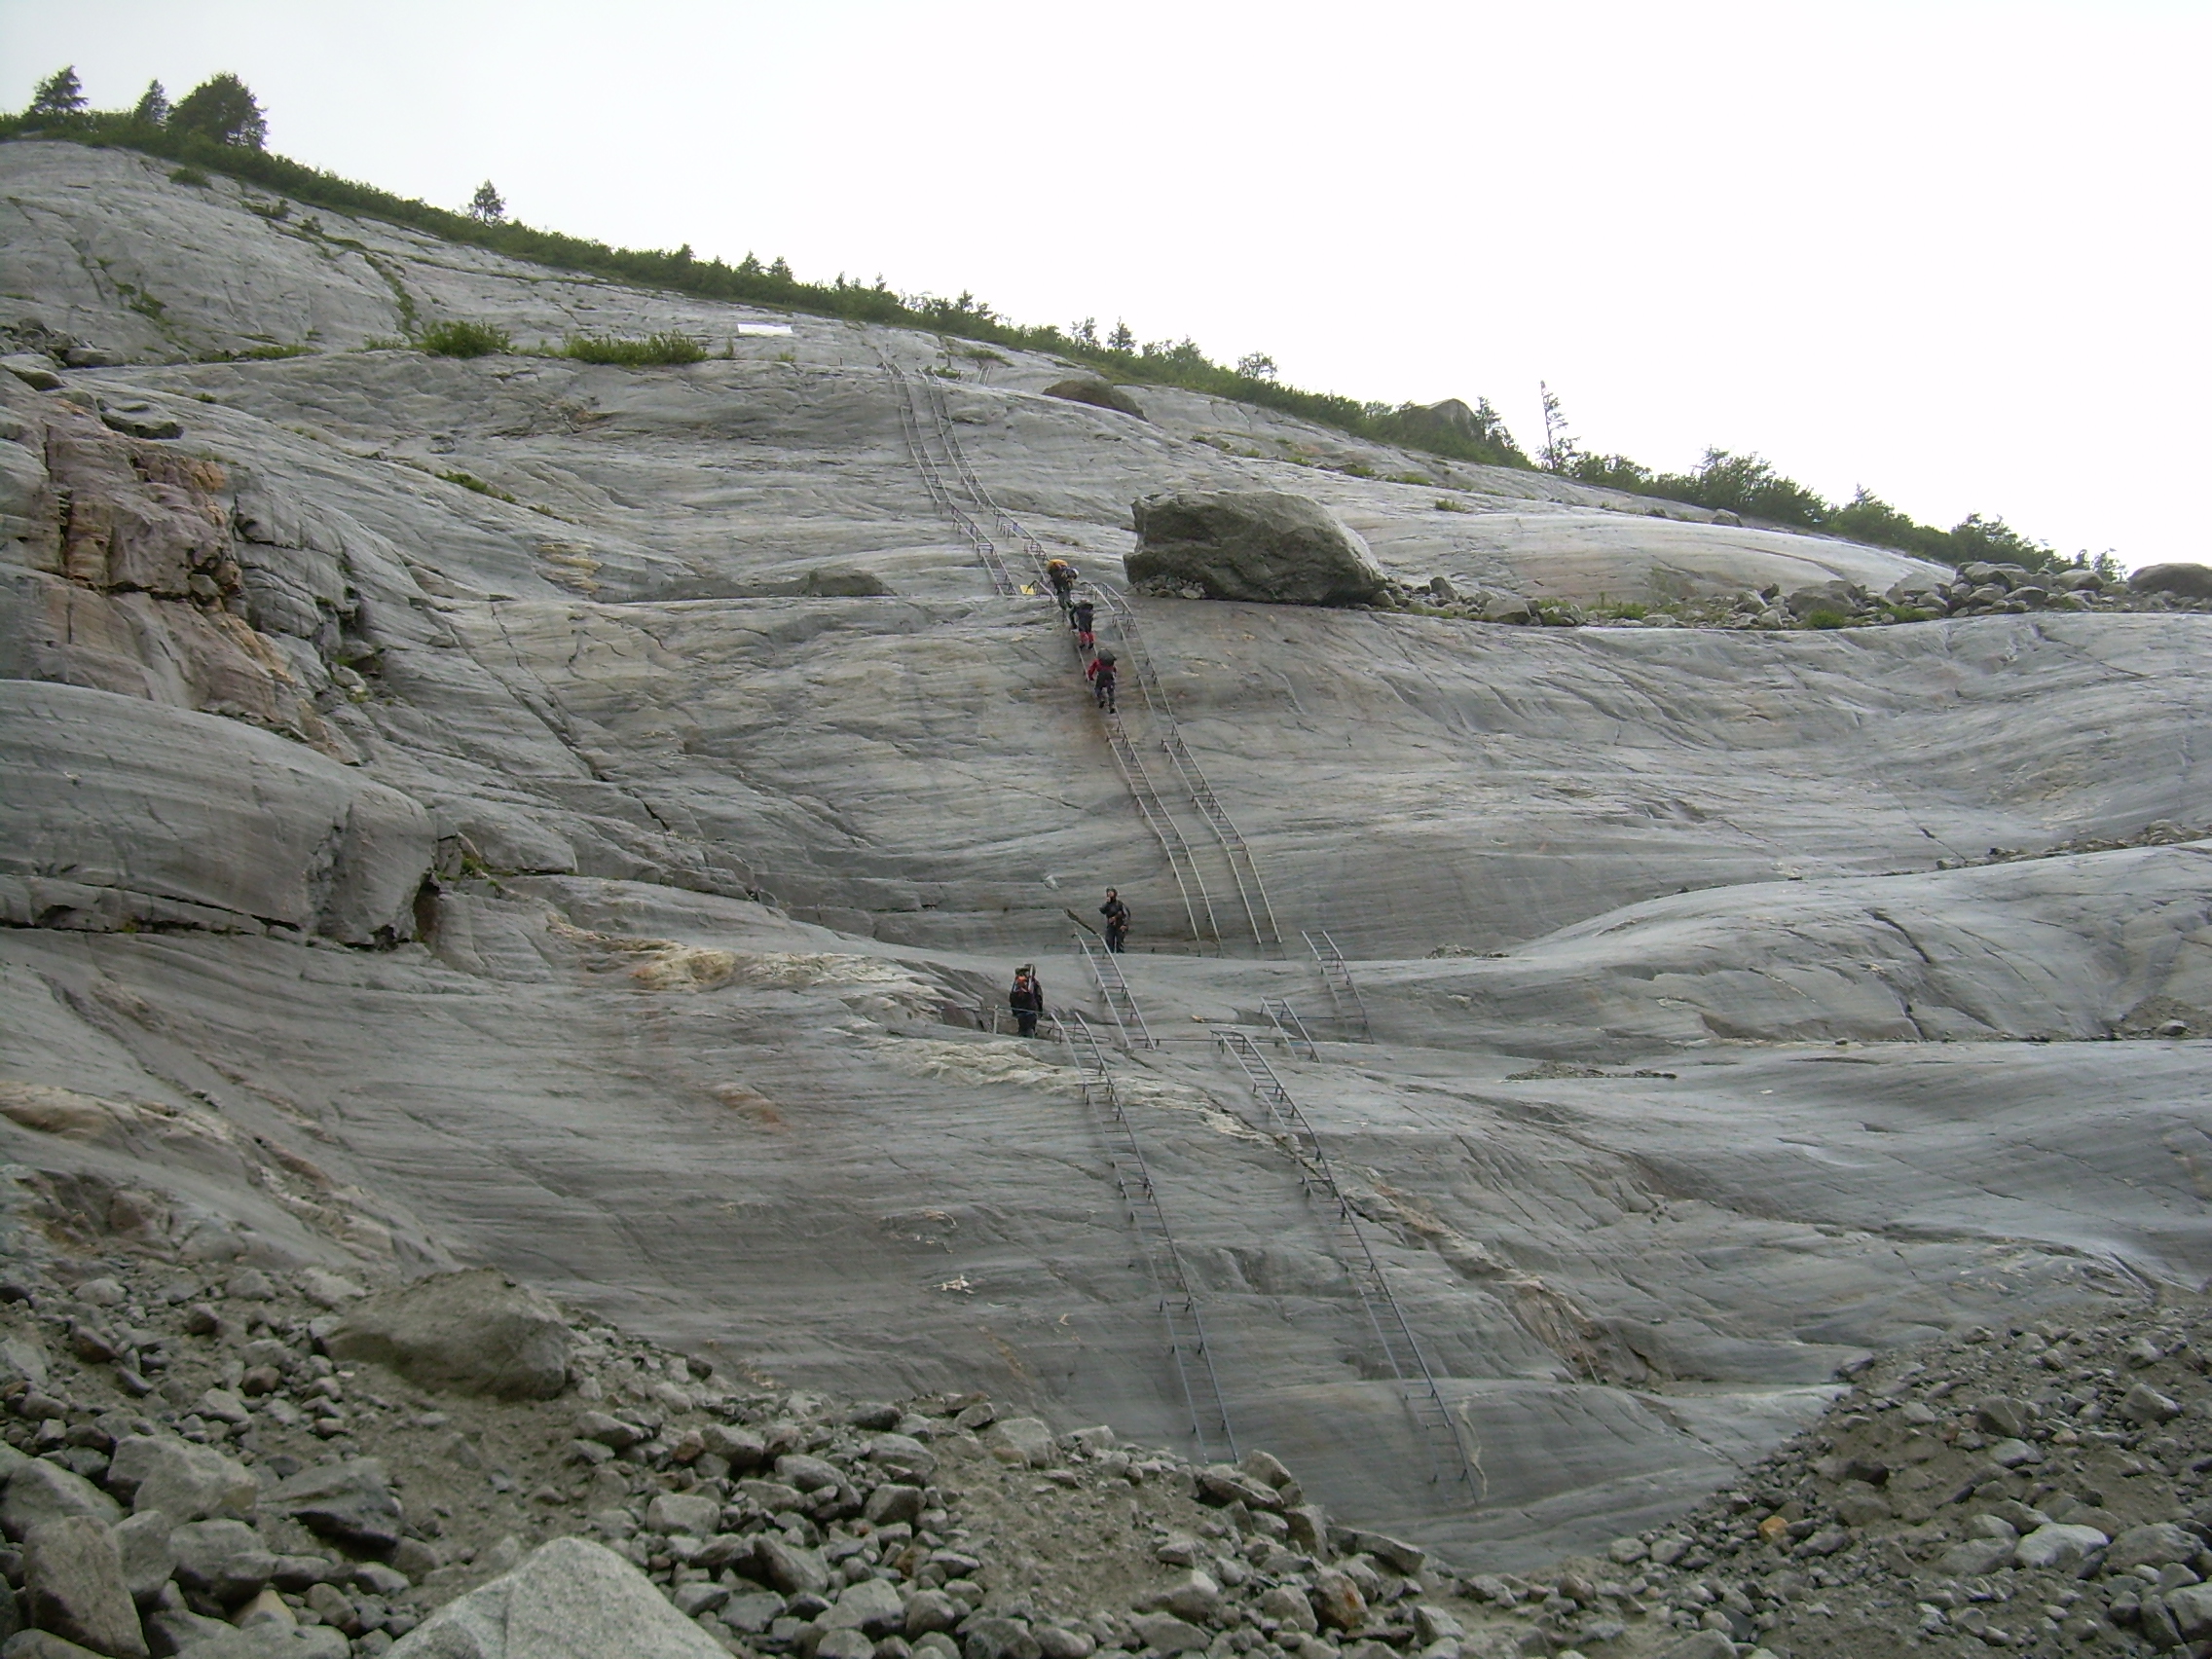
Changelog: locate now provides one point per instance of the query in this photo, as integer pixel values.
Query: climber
(1080, 616)
(1117, 916)
(1100, 673)
(1026, 999)
(1061, 574)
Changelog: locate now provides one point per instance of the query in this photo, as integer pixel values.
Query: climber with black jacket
(1026, 999)
(1080, 616)
(1117, 916)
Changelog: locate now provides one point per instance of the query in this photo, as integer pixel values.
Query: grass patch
(192, 176)
(652, 350)
(259, 354)
(1827, 619)
(458, 339)
(470, 481)
(1445, 505)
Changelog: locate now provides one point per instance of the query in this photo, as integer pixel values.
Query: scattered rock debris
(192, 1460)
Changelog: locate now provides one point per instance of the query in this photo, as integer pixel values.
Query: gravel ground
(2035, 1488)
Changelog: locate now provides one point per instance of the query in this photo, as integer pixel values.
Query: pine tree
(60, 94)
(153, 107)
(486, 207)
(1560, 451)
(1257, 365)
(223, 110)
(1123, 339)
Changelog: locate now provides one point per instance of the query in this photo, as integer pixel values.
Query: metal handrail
(987, 551)
(1425, 1399)
(1344, 991)
(1244, 869)
(1114, 992)
(1289, 1027)
(1140, 1199)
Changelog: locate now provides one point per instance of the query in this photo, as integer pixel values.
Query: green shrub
(669, 347)
(470, 481)
(458, 339)
(192, 176)
(1445, 505)
(1825, 619)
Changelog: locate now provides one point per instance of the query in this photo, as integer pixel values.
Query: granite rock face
(1269, 547)
(588, 884)
(122, 811)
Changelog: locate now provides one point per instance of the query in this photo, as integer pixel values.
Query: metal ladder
(1113, 995)
(1416, 1381)
(1155, 1244)
(1290, 1030)
(1190, 885)
(1244, 872)
(1251, 890)
(986, 550)
(1350, 1005)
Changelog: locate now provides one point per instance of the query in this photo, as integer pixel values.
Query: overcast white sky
(1956, 252)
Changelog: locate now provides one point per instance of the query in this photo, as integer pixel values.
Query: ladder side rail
(1173, 1270)
(1361, 1262)
(1242, 868)
(1148, 800)
(1001, 579)
(1351, 985)
(1156, 820)
(1106, 996)
(1161, 1263)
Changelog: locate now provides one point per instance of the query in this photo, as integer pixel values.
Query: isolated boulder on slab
(570, 1599)
(1265, 545)
(1098, 394)
(474, 1333)
(2187, 581)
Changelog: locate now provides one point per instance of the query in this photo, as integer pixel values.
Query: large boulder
(2187, 581)
(73, 1580)
(1251, 544)
(1098, 394)
(474, 1333)
(570, 1599)
(183, 1481)
(40, 1492)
